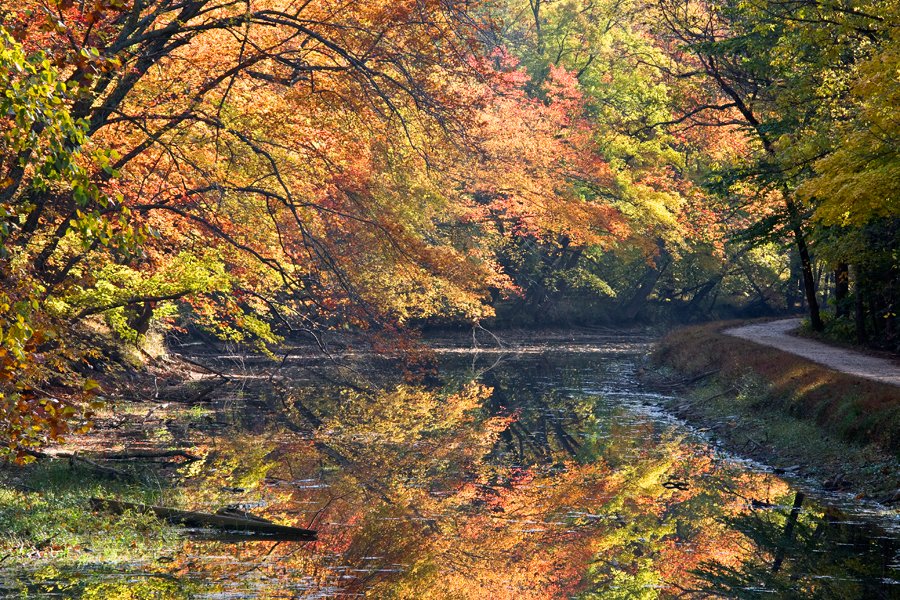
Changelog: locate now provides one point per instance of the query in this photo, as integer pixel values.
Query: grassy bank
(786, 410)
(53, 542)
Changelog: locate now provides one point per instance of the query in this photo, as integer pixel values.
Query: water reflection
(806, 551)
(542, 475)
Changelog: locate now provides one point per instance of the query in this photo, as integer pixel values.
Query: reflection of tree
(658, 532)
(547, 426)
(522, 515)
(808, 553)
(503, 489)
(509, 484)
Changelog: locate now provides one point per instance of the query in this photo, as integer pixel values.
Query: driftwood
(112, 472)
(674, 384)
(219, 374)
(229, 522)
(724, 392)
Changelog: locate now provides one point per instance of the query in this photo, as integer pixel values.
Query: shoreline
(788, 412)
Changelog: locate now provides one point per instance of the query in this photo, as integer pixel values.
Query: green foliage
(55, 512)
(42, 141)
(115, 286)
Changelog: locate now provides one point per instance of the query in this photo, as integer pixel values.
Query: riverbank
(839, 430)
(149, 445)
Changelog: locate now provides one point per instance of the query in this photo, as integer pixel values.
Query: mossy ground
(44, 509)
(53, 544)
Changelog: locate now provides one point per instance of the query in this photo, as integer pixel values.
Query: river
(544, 471)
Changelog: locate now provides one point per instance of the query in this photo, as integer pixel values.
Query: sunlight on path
(777, 335)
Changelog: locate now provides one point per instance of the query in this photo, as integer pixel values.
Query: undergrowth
(48, 531)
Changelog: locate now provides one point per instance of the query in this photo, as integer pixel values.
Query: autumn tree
(778, 71)
(276, 167)
(591, 46)
(854, 189)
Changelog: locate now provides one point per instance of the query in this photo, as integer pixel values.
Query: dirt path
(777, 335)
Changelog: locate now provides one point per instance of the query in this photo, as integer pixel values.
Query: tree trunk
(809, 282)
(139, 319)
(790, 295)
(859, 313)
(638, 299)
(841, 290)
(876, 308)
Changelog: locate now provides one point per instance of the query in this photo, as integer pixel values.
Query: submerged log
(229, 522)
(150, 454)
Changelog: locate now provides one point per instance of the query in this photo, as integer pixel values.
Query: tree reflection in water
(540, 478)
(806, 551)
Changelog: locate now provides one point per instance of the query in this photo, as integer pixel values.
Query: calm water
(543, 473)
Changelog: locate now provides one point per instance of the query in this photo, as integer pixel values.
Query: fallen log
(150, 454)
(229, 522)
(687, 381)
(73, 458)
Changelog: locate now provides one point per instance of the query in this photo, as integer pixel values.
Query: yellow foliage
(860, 180)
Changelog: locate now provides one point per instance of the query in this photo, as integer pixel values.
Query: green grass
(45, 515)
(52, 544)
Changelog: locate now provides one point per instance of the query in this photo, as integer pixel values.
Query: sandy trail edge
(777, 335)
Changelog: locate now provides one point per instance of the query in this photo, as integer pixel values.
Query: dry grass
(849, 408)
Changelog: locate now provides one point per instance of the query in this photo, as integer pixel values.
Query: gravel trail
(777, 335)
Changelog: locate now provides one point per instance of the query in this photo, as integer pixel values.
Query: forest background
(271, 170)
